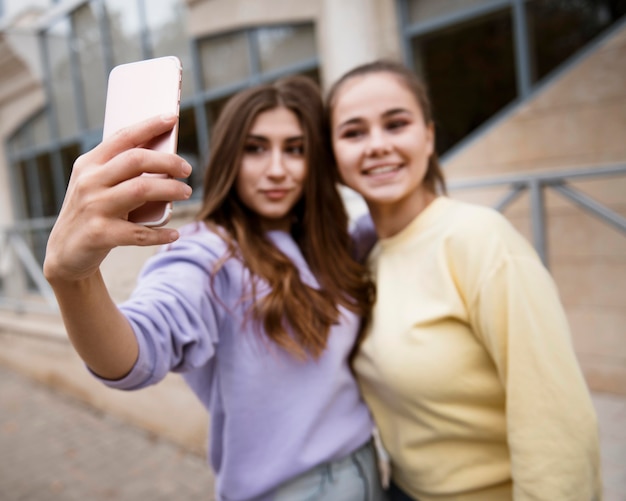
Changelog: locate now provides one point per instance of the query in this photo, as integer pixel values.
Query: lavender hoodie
(273, 417)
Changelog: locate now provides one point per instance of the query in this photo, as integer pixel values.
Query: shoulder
(473, 219)
(479, 243)
(472, 226)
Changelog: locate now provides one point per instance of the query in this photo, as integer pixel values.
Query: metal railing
(24, 288)
(558, 181)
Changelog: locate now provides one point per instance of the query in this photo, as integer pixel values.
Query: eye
(397, 123)
(352, 133)
(253, 148)
(295, 148)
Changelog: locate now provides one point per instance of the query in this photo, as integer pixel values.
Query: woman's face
(273, 167)
(381, 142)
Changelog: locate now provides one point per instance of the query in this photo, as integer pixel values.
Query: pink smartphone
(137, 91)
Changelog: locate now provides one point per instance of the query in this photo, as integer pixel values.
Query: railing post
(32, 267)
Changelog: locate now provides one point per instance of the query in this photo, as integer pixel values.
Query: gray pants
(353, 478)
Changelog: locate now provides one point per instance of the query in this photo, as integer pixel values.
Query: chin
(382, 196)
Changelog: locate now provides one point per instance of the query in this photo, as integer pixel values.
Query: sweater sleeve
(551, 424)
(364, 237)
(175, 313)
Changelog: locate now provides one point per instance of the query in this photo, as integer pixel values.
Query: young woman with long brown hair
(257, 303)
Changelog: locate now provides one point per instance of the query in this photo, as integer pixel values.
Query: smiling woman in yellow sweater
(467, 363)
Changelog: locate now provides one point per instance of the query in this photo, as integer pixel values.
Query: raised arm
(106, 184)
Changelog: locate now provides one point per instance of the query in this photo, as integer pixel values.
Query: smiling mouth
(383, 169)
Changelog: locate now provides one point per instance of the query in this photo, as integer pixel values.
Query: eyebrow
(291, 139)
(386, 114)
(256, 138)
(396, 111)
(294, 139)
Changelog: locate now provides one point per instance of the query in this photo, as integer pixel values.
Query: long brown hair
(293, 315)
(434, 179)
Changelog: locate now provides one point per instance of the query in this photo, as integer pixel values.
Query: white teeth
(381, 170)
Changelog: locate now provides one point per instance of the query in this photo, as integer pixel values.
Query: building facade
(521, 88)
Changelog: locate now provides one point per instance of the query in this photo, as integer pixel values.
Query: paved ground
(53, 448)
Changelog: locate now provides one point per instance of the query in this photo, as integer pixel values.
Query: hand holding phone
(137, 91)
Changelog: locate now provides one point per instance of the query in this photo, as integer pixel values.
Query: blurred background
(530, 109)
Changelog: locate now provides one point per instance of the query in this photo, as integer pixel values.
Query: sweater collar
(426, 218)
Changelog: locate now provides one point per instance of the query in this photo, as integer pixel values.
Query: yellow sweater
(468, 365)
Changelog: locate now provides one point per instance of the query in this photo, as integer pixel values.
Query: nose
(276, 168)
(377, 143)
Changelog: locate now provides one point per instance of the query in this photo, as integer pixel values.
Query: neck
(391, 219)
(282, 224)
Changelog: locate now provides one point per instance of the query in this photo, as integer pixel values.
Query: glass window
(69, 154)
(41, 129)
(313, 74)
(214, 108)
(29, 178)
(425, 10)
(46, 186)
(188, 144)
(225, 60)
(167, 20)
(285, 45)
(19, 141)
(20, 170)
(558, 29)
(125, 28)
(92, 67)
(469, 69)
(57, 43)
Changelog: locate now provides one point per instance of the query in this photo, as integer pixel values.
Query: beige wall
(578, 120)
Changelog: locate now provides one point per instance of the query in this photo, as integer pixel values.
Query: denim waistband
(347, 461)
(358, 471)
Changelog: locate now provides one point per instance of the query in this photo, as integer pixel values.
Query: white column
(348, 36)
(352, 32)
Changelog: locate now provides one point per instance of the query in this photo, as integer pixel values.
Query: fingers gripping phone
(137, 91)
